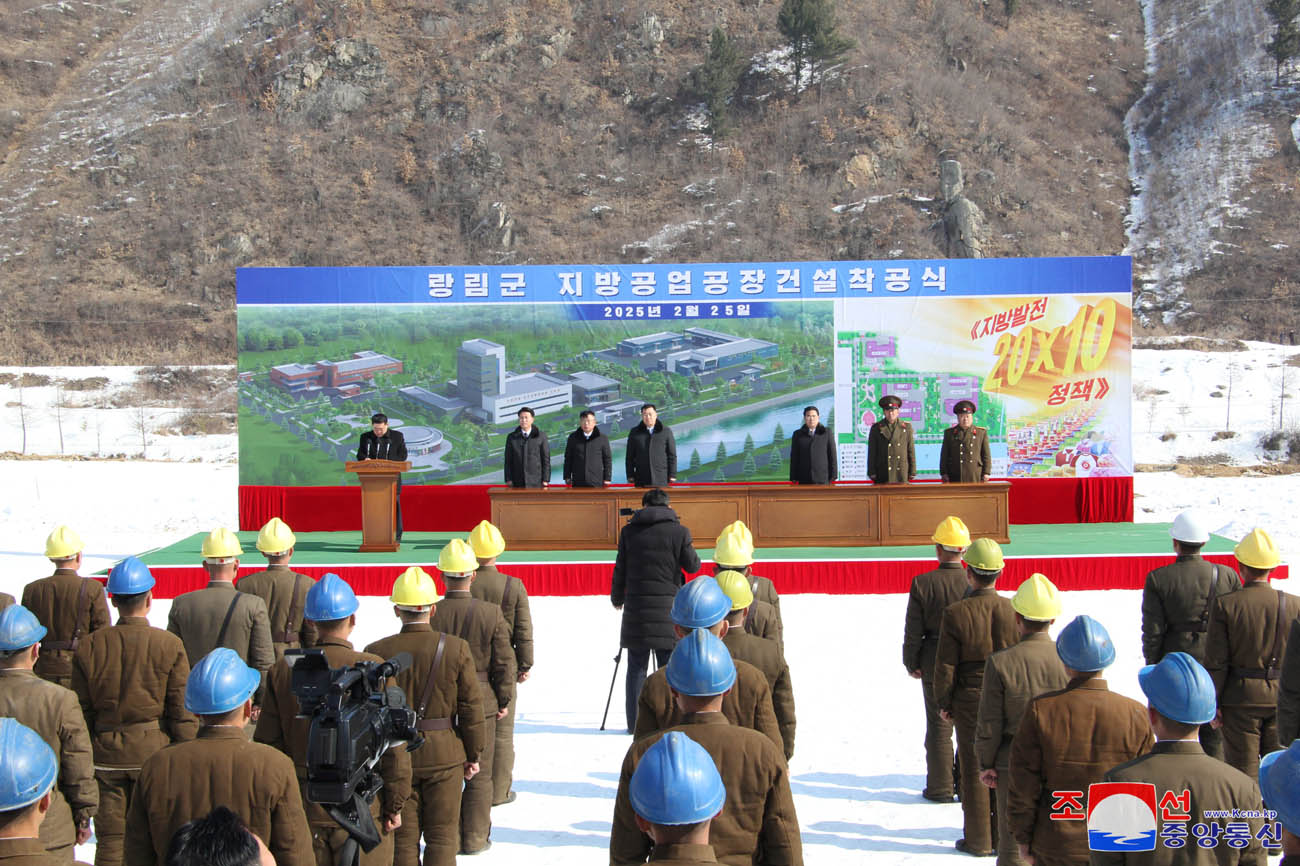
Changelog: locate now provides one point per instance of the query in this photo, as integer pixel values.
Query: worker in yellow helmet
(734, 551)
(68, 605)
(283, 590)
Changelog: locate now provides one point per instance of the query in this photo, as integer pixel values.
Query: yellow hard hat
(732, 548)
(486, 540)
(63, 543)
(984, 554)
(1037, 599)
(414, 588)
(952, 533)
(1257, 550)
(275, 537)
(739, 527)
(457, 558)
(220, 544)
(736, 587)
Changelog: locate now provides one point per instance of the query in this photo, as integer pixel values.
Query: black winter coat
(528, 459)
(653, 551)
(812, 456)
(651, 460)
(588, 461)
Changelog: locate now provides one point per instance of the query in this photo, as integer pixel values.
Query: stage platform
(1075, 557)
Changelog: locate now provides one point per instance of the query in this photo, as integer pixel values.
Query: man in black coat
(528, 454)
(651, 451)
(653, 551)
(587, 458)
(812, 451)
(381, 443)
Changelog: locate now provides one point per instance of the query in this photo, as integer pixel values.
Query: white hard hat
(1190, 527)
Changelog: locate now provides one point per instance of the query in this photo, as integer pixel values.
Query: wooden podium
(378, 503)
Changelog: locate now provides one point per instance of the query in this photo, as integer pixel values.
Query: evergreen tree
(750, 468)
(695, 459)
(721, 455)
(775, 460)
(715, 81)
(810, 30)
(778, 435)
(720, 475)
(1285, 44)
(749, 445)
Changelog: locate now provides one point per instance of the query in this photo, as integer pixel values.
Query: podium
(378, 502)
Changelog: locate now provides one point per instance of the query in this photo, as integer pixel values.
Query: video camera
(355, 718)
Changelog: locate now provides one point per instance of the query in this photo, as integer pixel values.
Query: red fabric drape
(459, 507)
(829, 577)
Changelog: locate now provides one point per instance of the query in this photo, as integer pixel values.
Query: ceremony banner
(729, 353)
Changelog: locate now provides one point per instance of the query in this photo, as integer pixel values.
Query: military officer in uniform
(891, 452)
(676, 791)
(442, 687)
(130, 680)
(1067, 740)
(763, 654)
(929, 597)
(756, 827)
(283, 590)
(28, 770)
(51, 711)
(509, 594)
(220, 768)
(1177, 600)
(971, 629)
(1012, 678)
(1180, 698)
(1279, 782)
(332, 606)
(68, 605)
(1244, 649)
(484, 628)
(964, 455)
(701, 603)
(734, 551)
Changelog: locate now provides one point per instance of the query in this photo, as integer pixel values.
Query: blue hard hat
(1085, 646)
(1179, 688)
(676, 782)
(219, 683)
(1279, 783)
(19, 628)
(130, 577)
(701, 665)
(700, 603)
(330, 598)
(28, 767)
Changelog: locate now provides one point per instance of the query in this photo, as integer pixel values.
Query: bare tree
(58, 414)
(22, 414)
(143, 429)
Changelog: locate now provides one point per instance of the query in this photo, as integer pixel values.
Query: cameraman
(332, 606)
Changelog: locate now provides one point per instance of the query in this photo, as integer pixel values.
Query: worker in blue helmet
(28, 770)
(676, 791)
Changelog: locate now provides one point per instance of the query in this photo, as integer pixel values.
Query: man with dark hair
(812, 451)
(382, 443)
(653, 551)
(651, 451)
(219, 838)
(587, 454)
(528, 454)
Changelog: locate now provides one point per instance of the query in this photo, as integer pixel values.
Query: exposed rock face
(964, 228)
(861, 171)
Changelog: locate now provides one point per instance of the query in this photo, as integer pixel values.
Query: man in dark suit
(588, 461)
(381, 443)
(812, 451)
(651, 451)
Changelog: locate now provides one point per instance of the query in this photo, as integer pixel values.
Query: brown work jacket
(70, 607)
(762, 620)
(197, 619)
(683, 855)
(1176, 606)
(279, 726)
(1067, 740)
(929, 597)
(757, 825)
(5, 600)
(483, 627)
(509, 594)
(1288, 692)
(52, 711)
(1240, 645)
(747, 705)
(218, 768)
(455, 695)
(285, 594)
(1012, 678)
(972, 629)
(1182, 765)
(767, 657)
(130, 680)
(27, 852)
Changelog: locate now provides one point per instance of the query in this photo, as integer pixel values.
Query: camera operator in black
(332, 606)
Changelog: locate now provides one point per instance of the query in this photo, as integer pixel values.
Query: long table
(837, 515)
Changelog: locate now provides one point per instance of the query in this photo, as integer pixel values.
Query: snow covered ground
(858, 766)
